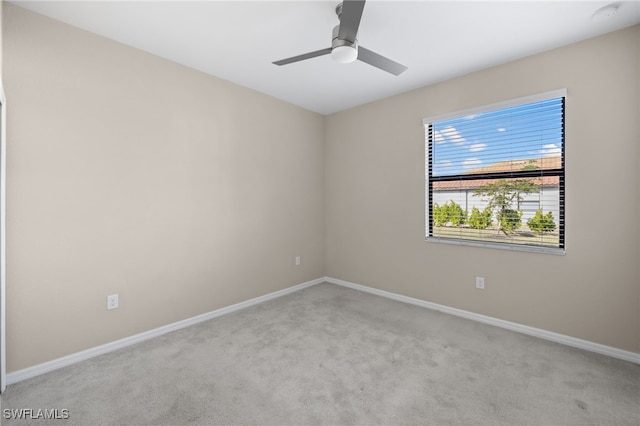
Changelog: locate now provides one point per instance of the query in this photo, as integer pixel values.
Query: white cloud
(550, 150)
(477, 147)
(501, 129)
(438, 138)
(451, 134)
(471, 162)
(445, 163)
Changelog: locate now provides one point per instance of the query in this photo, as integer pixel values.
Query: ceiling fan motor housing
(343, 51)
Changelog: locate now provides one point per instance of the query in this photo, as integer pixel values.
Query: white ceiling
(437, 40)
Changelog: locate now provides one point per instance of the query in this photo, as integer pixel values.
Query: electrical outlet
(480, 283)
(297, 260)
(112, 301)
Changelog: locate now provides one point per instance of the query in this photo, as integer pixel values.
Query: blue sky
(522, 132)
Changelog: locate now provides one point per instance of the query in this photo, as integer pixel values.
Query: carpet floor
(329, 355)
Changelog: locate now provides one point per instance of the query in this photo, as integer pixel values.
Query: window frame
(427, 122)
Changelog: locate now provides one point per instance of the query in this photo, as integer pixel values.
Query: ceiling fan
(344, 45)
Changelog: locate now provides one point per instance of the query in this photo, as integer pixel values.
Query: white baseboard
(524, 329)
(48, 366)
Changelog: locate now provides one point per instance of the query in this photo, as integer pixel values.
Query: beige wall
(375, 198)
(130, 174)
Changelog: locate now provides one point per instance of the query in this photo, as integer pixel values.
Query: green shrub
(450, 212)
(542, 222)
(480, 220)
(510, 219)
(457, 216)
(440, 214)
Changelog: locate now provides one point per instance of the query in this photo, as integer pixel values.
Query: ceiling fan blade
(304, 56)
(379, 61)
(350, 19)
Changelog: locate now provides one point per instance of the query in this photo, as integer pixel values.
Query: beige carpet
(331, 355)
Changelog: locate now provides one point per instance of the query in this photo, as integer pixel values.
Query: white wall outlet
(480, 283)
(297, 260)
(112, 301)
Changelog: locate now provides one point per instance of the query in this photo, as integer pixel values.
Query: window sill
(500, 246)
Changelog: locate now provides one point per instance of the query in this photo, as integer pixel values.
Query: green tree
(501, 195)
(542, 222)
(480, 220)
(531, 165)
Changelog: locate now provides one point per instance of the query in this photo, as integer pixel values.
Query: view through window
(495, 175)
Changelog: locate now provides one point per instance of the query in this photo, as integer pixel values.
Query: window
(495, 175)
(529, 205)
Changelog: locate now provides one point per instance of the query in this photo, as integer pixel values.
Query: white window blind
(486, 169)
